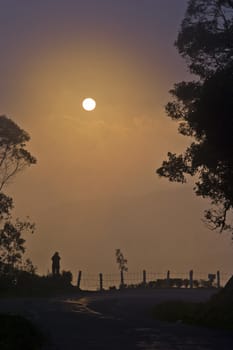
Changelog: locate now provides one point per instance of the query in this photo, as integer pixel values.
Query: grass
(33, 291)
(17, 333)
(216, 313)
(173, 311)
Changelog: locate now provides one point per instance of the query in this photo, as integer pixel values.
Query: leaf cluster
(206, 36)
(13, 158)
(121, 261)
(204, 108)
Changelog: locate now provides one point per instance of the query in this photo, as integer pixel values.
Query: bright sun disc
(89, 104)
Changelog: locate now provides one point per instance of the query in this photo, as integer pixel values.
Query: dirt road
(116, 321)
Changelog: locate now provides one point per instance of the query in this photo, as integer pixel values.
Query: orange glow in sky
(94, 188)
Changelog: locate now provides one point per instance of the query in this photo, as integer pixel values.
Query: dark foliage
(25, 283)
(206, 36)
(18, 333)
(13, 155)
(13, 158)
(204, 108)
(121, 261)
(216, 313)
(171, 283)
(173, 311)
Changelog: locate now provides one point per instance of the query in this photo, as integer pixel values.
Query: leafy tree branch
(204, 108)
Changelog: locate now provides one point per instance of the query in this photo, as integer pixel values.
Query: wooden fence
(145, 279)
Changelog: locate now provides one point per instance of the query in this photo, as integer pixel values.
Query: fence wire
(91, 281)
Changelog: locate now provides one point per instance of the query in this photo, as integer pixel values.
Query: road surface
(116, 321)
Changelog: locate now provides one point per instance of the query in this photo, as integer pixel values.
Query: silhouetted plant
(205, 284)
(178, 282)
(122, 265)
(112, 288)
(12, 244)
(13, 159)
(161, 283)
(67, 277)
(28, 266)
(186, 282)
(196, 283)
(13, 155)
(204, 107)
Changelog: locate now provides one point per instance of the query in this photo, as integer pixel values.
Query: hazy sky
(94, 188)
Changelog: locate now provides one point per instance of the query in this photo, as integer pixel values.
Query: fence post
(168, 278)
(144, 277)
(218, 279)
(79, 279)
(191, 278)
(101, 281)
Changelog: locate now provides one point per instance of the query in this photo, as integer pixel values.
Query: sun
(89, 104)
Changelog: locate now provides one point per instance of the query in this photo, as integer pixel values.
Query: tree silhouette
(122, 265)
(204, 108)
(12, 244)
(206, 36)
(13, 159)
(13, 155)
